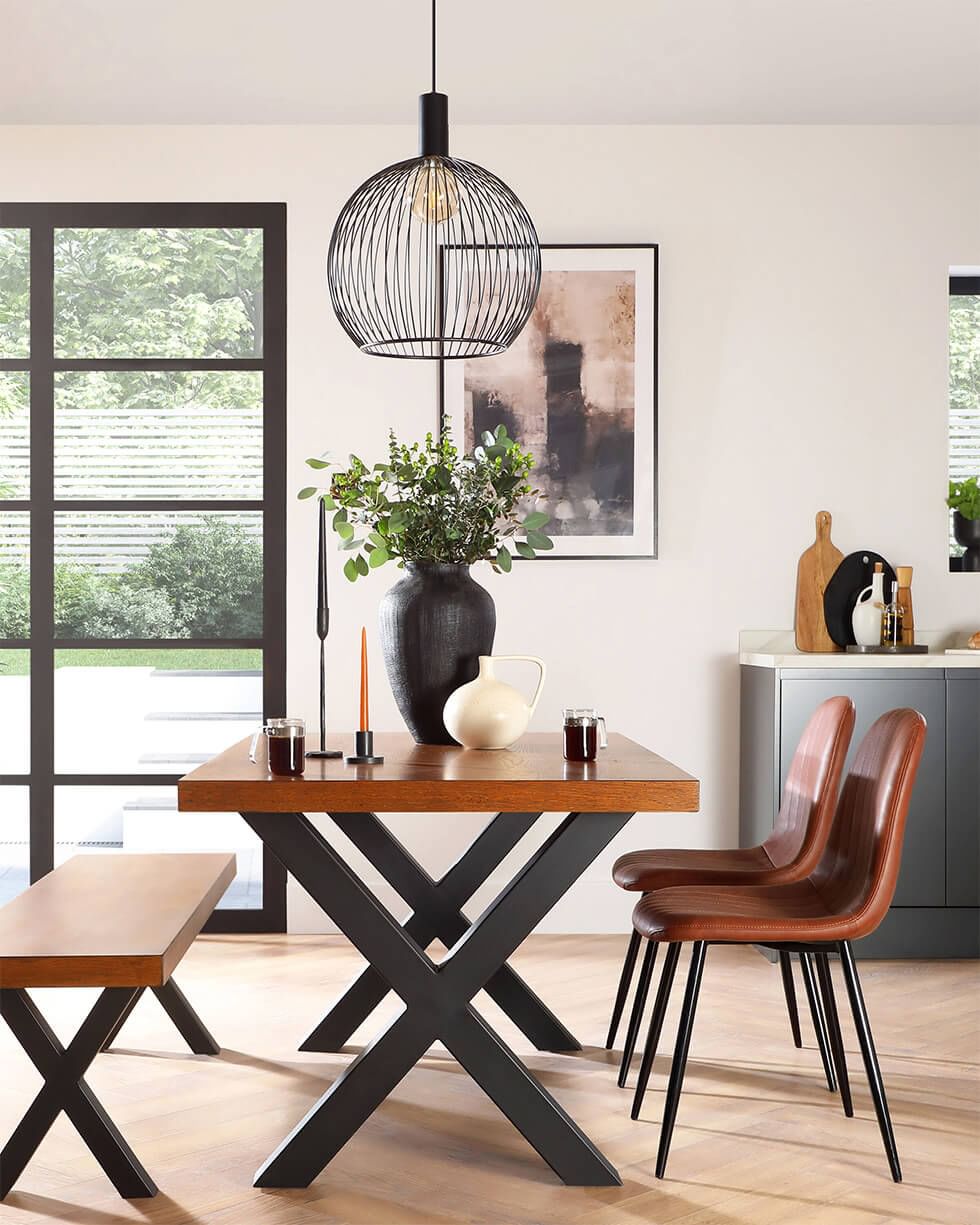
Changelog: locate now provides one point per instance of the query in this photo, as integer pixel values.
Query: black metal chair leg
(656, 1026)
(833, 1030)
(623, 990)
(870, 1056)
(681, 1047)
(636, 1016)
(817, 1017)
(789, 990)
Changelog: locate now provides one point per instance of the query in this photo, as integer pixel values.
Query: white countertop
(777, 649)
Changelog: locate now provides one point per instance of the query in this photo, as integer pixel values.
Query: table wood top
(532, 776)
(110, 920)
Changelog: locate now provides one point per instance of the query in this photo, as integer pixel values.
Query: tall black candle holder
(322, 629)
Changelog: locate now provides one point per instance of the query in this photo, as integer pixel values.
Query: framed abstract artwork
(578, 388)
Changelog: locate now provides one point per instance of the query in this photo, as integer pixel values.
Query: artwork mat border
(652, 373)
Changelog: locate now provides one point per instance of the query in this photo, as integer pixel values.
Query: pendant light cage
(433, 258)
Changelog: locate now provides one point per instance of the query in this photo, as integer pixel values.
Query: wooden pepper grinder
(904, 576)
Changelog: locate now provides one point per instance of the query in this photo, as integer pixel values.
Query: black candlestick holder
(323, 751)
(364, 754)
(322, 629)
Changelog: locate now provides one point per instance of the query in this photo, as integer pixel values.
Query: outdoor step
(204, 716)
(165, 672)
(113, 843)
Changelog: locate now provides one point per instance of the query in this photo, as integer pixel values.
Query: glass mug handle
(603, 738)
(253, 746)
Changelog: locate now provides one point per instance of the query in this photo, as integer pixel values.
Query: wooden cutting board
(814, 572)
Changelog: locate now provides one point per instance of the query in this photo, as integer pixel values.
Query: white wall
(803, 367)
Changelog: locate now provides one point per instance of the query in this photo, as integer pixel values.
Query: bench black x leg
(177, 1006)
(437, 998)
(437, 915)
(65, 1090)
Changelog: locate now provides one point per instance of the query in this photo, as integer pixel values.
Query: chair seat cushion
(743, 914)
(644, 871)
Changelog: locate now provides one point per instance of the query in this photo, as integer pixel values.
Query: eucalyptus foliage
(429, 502)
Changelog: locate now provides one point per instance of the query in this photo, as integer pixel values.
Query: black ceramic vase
(435, 623)
(967, 533)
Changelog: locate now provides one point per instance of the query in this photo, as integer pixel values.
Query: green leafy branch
(964, 496)
(429, 502)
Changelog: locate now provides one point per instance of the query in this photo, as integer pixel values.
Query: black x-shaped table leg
(64, 1089)
(437, 915)
(437, 998)
(178, 1007)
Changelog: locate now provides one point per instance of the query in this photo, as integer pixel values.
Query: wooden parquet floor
(759, 1139)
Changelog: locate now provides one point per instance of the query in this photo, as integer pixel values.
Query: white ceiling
(502, 61)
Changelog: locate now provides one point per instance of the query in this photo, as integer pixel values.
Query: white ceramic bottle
(486, 713)
(866, 618)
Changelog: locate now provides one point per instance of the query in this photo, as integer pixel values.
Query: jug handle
(528, 659)
(867, 591)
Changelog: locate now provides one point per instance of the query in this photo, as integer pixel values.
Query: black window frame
(965, 286)
(42, 220)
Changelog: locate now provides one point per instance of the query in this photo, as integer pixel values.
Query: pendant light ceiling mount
(433, 257)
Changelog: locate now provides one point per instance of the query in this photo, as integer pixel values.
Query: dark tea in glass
(287, 754)
(583, 733)
(285, 746)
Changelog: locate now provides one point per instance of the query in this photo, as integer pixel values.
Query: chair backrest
(859, 867)
(806, 813)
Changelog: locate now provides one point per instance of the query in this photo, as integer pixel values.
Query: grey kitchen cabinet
(963, 789)
(936, 909)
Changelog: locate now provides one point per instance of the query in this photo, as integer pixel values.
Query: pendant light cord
(433, 46)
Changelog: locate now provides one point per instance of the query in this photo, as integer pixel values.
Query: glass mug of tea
(584, 731)
(285, 744)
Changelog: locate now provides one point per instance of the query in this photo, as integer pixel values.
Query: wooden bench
(120, 922)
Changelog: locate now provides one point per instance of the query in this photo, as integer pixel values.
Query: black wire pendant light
(433, 257)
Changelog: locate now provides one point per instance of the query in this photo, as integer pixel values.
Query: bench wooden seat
(119, 922)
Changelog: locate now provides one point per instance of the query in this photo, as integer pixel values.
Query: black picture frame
(653, 552)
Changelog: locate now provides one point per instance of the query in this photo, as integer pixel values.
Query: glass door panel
(160, 574)
(15, 283)
(15, 441)
(15, 713)
(155, 434)
(158, 292)
(157, 712)
(15, 842)
(15, 575)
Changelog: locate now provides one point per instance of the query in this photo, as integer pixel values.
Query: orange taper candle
(364, 681)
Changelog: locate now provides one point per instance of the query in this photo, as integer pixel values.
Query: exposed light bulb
(436, 196)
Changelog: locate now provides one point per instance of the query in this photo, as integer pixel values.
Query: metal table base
(437, 996)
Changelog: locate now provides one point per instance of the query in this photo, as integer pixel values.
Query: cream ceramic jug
(866, 617)
(487, 714)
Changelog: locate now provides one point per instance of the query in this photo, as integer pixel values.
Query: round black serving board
(846, 584)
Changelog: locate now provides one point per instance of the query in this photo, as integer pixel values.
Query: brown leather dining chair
(791, 852)
(844, 898)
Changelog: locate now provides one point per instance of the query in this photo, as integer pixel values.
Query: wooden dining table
(519, 784)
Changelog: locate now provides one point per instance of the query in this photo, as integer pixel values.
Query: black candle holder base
(363, 754)
(325, 753)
